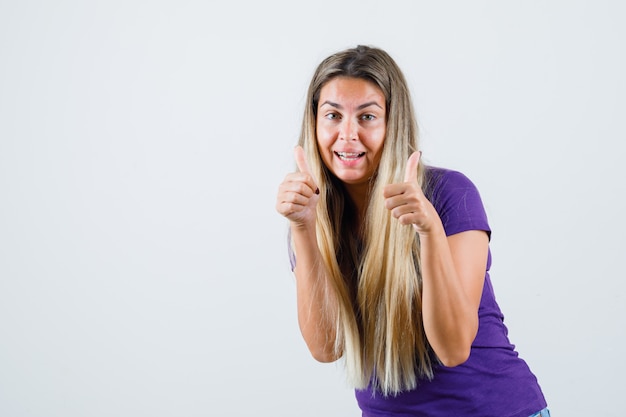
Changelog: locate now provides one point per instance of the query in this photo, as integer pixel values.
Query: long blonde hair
(379, 329)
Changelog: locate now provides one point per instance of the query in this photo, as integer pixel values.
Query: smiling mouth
(349, 156)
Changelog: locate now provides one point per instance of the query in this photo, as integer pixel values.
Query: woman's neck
(359, 194)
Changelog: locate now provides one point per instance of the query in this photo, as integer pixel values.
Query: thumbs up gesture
(407, 202)
(298, 193)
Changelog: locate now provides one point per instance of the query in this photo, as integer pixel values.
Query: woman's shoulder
(438, 179)
(456, 199)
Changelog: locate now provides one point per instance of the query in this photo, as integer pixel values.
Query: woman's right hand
(298, 194)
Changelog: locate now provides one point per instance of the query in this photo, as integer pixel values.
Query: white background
(143, 268)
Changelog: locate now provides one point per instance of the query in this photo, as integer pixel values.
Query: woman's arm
(453, 273)
(296, 200)
(453, 270)
(316, 315)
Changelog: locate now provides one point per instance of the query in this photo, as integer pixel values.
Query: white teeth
(350, 155)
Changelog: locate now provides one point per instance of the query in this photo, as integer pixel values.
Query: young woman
(391, 257)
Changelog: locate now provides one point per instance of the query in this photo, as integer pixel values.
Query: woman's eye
(332, 116)
(368, 117)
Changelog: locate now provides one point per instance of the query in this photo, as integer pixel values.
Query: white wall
(143, 269)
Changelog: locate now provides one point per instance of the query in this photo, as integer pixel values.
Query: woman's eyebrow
(369, 103)
(362, 106)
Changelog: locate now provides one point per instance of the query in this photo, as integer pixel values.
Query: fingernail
(317, 191)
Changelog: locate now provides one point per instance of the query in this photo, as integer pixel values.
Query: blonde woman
(391, 257)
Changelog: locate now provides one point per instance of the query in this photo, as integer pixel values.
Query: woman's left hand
(407, 202)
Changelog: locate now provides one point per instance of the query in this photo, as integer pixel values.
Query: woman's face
(350, 127)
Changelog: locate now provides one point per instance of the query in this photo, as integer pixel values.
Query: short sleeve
(456, 200)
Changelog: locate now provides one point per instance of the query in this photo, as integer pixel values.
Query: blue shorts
(543, 413)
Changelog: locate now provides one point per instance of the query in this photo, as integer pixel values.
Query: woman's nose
(348, 131)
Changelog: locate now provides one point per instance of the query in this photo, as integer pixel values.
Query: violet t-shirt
(494, 381)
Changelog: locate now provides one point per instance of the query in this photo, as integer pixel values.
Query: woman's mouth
(349, 156)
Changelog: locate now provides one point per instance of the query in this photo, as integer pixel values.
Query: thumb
(411, 167)
(303, 166)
